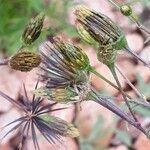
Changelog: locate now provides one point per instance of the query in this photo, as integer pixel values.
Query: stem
(112, 69)
(132, 18)
(115, 4)
(137, 57)
(145, 105)
(129, 83)
(139, 25)
(91, 69)
(113, 108)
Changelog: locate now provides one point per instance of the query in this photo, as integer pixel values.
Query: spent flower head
(33, 29)
(35, 116)
(100, 27)
(60, 73)
(104, 30)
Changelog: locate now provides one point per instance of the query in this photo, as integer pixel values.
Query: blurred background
(100, 129)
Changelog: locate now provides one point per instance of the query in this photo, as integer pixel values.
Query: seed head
(100, 27)
(126, 10)
(36, 117)
(63, 82)
(24, 61)
(33, 29)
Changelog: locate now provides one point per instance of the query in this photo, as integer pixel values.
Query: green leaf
(143, 87)
(123, 137)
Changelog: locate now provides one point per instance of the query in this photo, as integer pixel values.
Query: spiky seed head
(24, 61)
(33, 29)
(106, 55)
(61, 126)
(36, 117)
(85, 35)
(126, 10)
(76, 57)
(57, 70)
(59, 95)
(100, 27)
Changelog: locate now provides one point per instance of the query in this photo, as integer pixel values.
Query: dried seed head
(56, 70)
(33, 29)
(126, 10)
(59, 95)
(76, 57)
(100, 27)
(63, 82)
(85, 35)
(62, 127)
(24, 61)
(106, 55)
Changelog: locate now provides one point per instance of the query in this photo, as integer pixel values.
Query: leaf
(97, 129)
(143, 87)
(124, 137)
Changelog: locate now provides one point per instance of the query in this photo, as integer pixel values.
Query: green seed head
(101, 28)
(74, 55)
(107, 55)
(126, 10)
(33, 29)
(24, 61)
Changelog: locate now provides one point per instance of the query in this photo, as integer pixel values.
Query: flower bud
(33, 29)
(100, 27)
(76, 57)
(126, 10)
(24, 61)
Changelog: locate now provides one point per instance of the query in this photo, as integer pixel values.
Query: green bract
(85, 35)
(106, 55)
(76, 57)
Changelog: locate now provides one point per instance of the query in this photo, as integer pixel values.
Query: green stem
(136, 56)
(91, 69)
(132, 18)
(115, 4)
(131, 85)
(113, 71)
